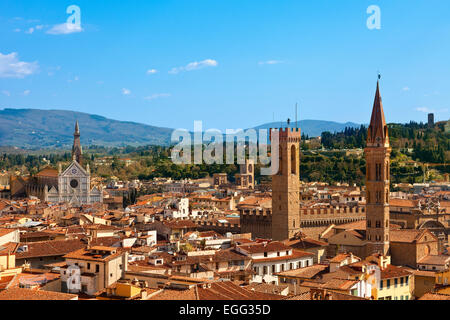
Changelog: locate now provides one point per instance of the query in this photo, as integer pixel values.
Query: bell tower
(77, 152)
(286, 186)
(377, 155)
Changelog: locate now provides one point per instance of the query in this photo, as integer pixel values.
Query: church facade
(72, 186)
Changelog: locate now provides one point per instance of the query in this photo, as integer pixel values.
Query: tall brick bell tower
(377, 154)
(286, 186)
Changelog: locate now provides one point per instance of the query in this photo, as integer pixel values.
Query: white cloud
(270, 62)
(6, 93)
(30, 31)
(17, 30)
(76, 78)
(406, 89)
(26, 92)
(126, 92)
(11, 67)
(157, 95)
(195, 66)
(40, 27)
(424, 109)
(152, 71)
(65, 28)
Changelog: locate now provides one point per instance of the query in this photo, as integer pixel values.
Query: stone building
(286, 186)
(377, 155)
(285, 217)
(220, 179)
(73, 185)
(245, 179)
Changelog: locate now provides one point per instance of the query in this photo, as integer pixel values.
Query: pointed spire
(77, 128)
(377, 134)
(77, 151)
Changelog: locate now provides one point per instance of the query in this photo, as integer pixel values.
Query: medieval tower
(77, 152)
(377, 155)
(286, 186)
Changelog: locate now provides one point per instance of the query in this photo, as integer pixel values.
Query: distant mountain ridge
(36, 129)
(313, 128)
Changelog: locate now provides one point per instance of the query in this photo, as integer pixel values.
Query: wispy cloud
(126, 92)
(6, 93)
(270, 62)
(12, 67)
(76, 78)
(195, 66)
(428, 110)
(26, 92)
(157, 96)
(30, 31)
(424, 109)
(152, 71)
(406, 89)
(65, 28)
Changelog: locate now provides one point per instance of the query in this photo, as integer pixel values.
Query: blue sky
(231, 64)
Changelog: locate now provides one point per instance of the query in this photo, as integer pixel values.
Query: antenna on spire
(296, 115)
(379, 75)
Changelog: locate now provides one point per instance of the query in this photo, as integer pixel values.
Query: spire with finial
(377, 134)
(77, 151)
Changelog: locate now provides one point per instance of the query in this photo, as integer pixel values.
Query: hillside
(48, 129)
(32, 128)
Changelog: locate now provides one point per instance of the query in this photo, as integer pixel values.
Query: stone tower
(377, 155)
(246, 178)
(77, 152)
(286, 186)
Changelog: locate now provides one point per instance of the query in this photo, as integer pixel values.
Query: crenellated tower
(377, 155)
(286, 185)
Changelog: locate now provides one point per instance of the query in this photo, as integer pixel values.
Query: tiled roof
(49, 248)
(48, 172)
(28, 294)
(8, 248)
(435, 260)
(180, 224)
(85, 254)
(273, 246)
(305, 243)
(394, 272)
(227, 290)
(4, 231)
(306, 272)
(342, 256)
(332, 284)
(435, 296)
(296, 254)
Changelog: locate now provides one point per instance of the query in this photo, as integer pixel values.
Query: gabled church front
(72, 186)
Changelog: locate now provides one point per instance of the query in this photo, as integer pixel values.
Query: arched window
(293, 159)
